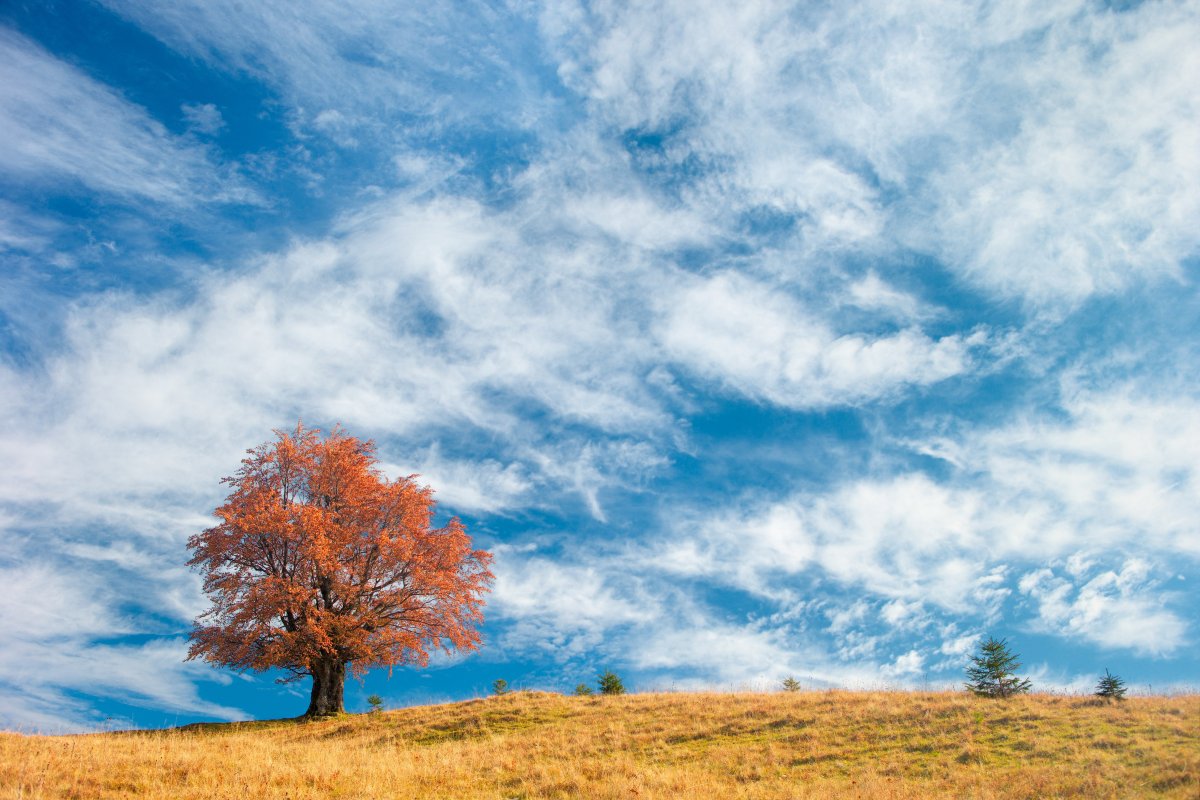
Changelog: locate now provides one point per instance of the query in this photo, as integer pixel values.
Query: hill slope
(527, 745)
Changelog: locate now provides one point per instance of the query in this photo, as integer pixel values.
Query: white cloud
(203, 118)
(723, 653)
(589, 467)
(1076, 175)
(1044, 151)
(60, 125)
(363, 62)
(1115, 608)
(712, 81)
(841, 619)
(21, 229)
(900, 614)
(428, 317)
(296, 338)
(1121, 468)
(566, 610)
(907, 539)
(52, 645)
(908, 664)
(1097, 188)
(479, 485)
(151, 675)
(959, 646)
(38, 711)
(871, 293)
(1116, 477)
(56, 605)
(594, 606)
(769, 347)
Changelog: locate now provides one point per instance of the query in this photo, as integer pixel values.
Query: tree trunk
(329, 679)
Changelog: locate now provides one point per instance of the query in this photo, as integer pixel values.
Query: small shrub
(1110, 687)
(376, 703)
(790, 684)
(610, 684)
(583, 690)
(500, 686)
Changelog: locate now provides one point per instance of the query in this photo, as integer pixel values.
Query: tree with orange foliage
(320, 562)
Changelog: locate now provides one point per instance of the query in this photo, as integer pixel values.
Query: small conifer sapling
(610, 683)
(991, 672)
(1110, 687)
(583, 690)
(500, 686)
(376, 703)
(790, 684)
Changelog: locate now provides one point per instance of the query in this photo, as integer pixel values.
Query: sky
(755, 339)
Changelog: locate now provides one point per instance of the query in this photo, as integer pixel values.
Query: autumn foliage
(320, 564)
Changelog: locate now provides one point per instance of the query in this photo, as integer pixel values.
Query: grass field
(535, 745)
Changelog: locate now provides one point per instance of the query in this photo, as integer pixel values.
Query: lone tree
(610, 683)
(320, 562)
(1110, 687)
(991, 672)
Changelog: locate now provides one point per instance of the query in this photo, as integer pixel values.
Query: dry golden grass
(535, 745)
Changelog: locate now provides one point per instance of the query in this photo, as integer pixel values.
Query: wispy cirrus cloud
(354, 67)
(60, 640)
(39, 678)
(1097, 187)
(203, 118)
(434, 314)
(60, 126)
(1046, 154)
(1116, 478)
(893, 579)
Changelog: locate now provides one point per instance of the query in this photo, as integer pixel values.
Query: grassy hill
(535, 745)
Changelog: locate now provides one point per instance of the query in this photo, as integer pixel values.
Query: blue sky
(755, 339)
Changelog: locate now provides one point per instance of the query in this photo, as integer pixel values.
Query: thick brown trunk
(329, 679)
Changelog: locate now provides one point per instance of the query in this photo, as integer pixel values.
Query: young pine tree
(790, 684)
(610, 683)
(583, 690)
(991, 672)
(1110, 687)
(500, 686)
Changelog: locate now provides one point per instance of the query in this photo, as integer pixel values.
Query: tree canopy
(320, 562)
